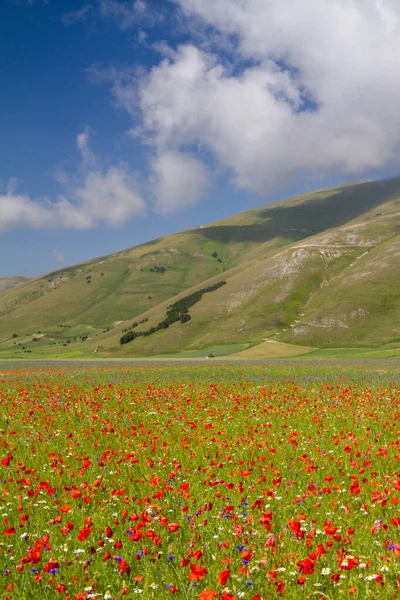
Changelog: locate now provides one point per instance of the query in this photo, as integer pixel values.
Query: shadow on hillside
(314, 216)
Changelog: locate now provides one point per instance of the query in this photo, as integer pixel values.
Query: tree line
(178, 311)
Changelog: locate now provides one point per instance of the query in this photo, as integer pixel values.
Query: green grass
(216, 351)
(343, 353)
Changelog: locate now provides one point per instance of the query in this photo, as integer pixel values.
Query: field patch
(274, 349)
(225, 481)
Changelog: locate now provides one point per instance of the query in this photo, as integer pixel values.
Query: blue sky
(124, 121)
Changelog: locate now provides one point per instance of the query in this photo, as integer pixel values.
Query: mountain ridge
(283, 263)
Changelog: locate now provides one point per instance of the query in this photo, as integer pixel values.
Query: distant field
(200, 480)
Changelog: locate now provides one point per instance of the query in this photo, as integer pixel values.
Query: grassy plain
(200, 481)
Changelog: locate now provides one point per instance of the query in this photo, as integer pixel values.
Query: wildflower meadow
(200, 482)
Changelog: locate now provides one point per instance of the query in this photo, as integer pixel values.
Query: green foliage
(178, 311)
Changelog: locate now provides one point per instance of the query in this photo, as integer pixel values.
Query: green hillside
(320, 270)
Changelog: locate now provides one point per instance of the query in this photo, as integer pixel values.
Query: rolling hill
(318, 271)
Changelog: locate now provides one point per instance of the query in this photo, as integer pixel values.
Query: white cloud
(19, 210)
(108, 196)
(129, 14)
(82, 143)
(311, 87)
(179, 181)
(74, 16)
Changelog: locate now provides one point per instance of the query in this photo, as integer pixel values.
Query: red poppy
(197, 573)
(61, 588)
(224, 576)
(280, 587)
(348, 563)
(207, 595)
(306, 566)
(109, 531)
(84, 533)
(246, 555)
(124, 567)
(6, 461)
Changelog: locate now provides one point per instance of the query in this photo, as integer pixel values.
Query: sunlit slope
(281, 263)
(339, 287)
(360, 307)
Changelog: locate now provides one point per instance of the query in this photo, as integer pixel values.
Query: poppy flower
(124, 567)
(207, 595)
(223, 577)
(6, 461)
(306, 566)
(246, 555)
(348, 563)
(109, 531)
(197, 573)
(84, 533)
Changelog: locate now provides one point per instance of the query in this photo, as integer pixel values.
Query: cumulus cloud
(307, 88)
(179, 180)
(19, 210)
(109, 196)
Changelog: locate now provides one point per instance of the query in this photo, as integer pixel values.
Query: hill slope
(318, 270)
(6, 283)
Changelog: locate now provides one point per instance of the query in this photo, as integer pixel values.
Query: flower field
(200, 481)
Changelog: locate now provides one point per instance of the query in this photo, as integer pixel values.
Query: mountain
(6, 283)
(318, 271)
